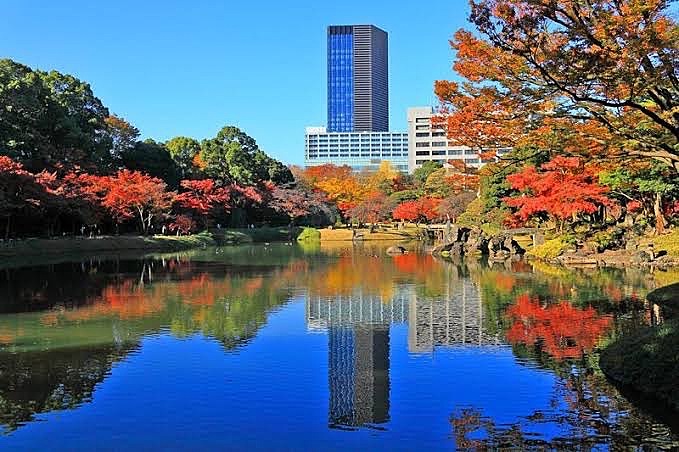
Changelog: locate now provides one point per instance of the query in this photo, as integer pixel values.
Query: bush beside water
(309, 235)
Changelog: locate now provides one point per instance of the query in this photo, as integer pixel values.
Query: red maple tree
(561, 189)
(372, 209)
(202, 197)
(182, 224)
(423, 209)
(131, 194)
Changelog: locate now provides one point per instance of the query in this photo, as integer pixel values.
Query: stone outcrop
(473, 241)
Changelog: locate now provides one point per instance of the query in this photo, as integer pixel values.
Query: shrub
(309, 235)
(473, 215)
(550, 249)
(609, 239)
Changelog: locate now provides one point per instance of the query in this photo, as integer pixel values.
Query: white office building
(359, 150)
(427, 141)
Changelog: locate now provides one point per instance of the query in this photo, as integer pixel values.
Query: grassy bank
(648, 360)
(666, 242)
(42, 247)
(29, 248)
(342, 234)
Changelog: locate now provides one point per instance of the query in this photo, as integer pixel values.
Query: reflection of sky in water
(273, 393)
(367, 350)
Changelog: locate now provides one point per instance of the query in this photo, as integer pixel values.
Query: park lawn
(666, 242)
(345, 234)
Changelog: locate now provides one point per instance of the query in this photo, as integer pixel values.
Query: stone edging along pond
(648, 360)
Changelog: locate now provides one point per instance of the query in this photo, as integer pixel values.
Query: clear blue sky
(190, 67)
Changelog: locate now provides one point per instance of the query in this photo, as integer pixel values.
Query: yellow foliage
(666, 242)
(667, 277)
(550, 249)
(549, 270)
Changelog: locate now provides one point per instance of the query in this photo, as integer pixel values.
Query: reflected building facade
(358, 328)
(358, 375)
(358, 353)
(455, 319)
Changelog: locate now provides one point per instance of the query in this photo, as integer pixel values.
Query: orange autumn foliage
(595, 78)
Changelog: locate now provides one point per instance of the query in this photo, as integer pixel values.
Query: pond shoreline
(85, 245)
(648, 360)
(36, 247)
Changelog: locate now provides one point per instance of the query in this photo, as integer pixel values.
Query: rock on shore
(471, 241)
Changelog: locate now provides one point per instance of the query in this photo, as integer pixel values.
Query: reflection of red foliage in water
(613, 292)
(565, 331)
(522, 266)
(413, 263)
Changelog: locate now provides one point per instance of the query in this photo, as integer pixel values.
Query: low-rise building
(429, 142)
(359, 150)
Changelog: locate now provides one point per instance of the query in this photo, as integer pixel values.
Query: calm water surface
(282, 347)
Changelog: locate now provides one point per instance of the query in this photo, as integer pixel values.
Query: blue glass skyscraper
(358, 85)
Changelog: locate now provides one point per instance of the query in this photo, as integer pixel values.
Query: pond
(289, 347)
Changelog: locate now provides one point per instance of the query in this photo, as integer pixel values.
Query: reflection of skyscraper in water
(454, 319)
(358, 375)
(358, 354)
(358, 340)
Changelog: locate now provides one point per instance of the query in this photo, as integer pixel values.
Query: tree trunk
(143, 221)
(660, 221)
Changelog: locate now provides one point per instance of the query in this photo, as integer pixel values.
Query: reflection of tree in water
(40, 382)
(596, 416)
(227, 302)
(230, 300)
(564, 331)
(555, 318)
(562, 337)
(85, 338)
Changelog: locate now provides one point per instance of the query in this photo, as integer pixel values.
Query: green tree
(272, 169)
(646, 186)
(77, 122)
(123, 136)
(50, 118)
(437, 184)
(153, 159)
(234, 156)
(405, 195)
(421, 174)
(183, 150)
(23, 112)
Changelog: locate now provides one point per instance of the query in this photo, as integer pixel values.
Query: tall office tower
(358, 85)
